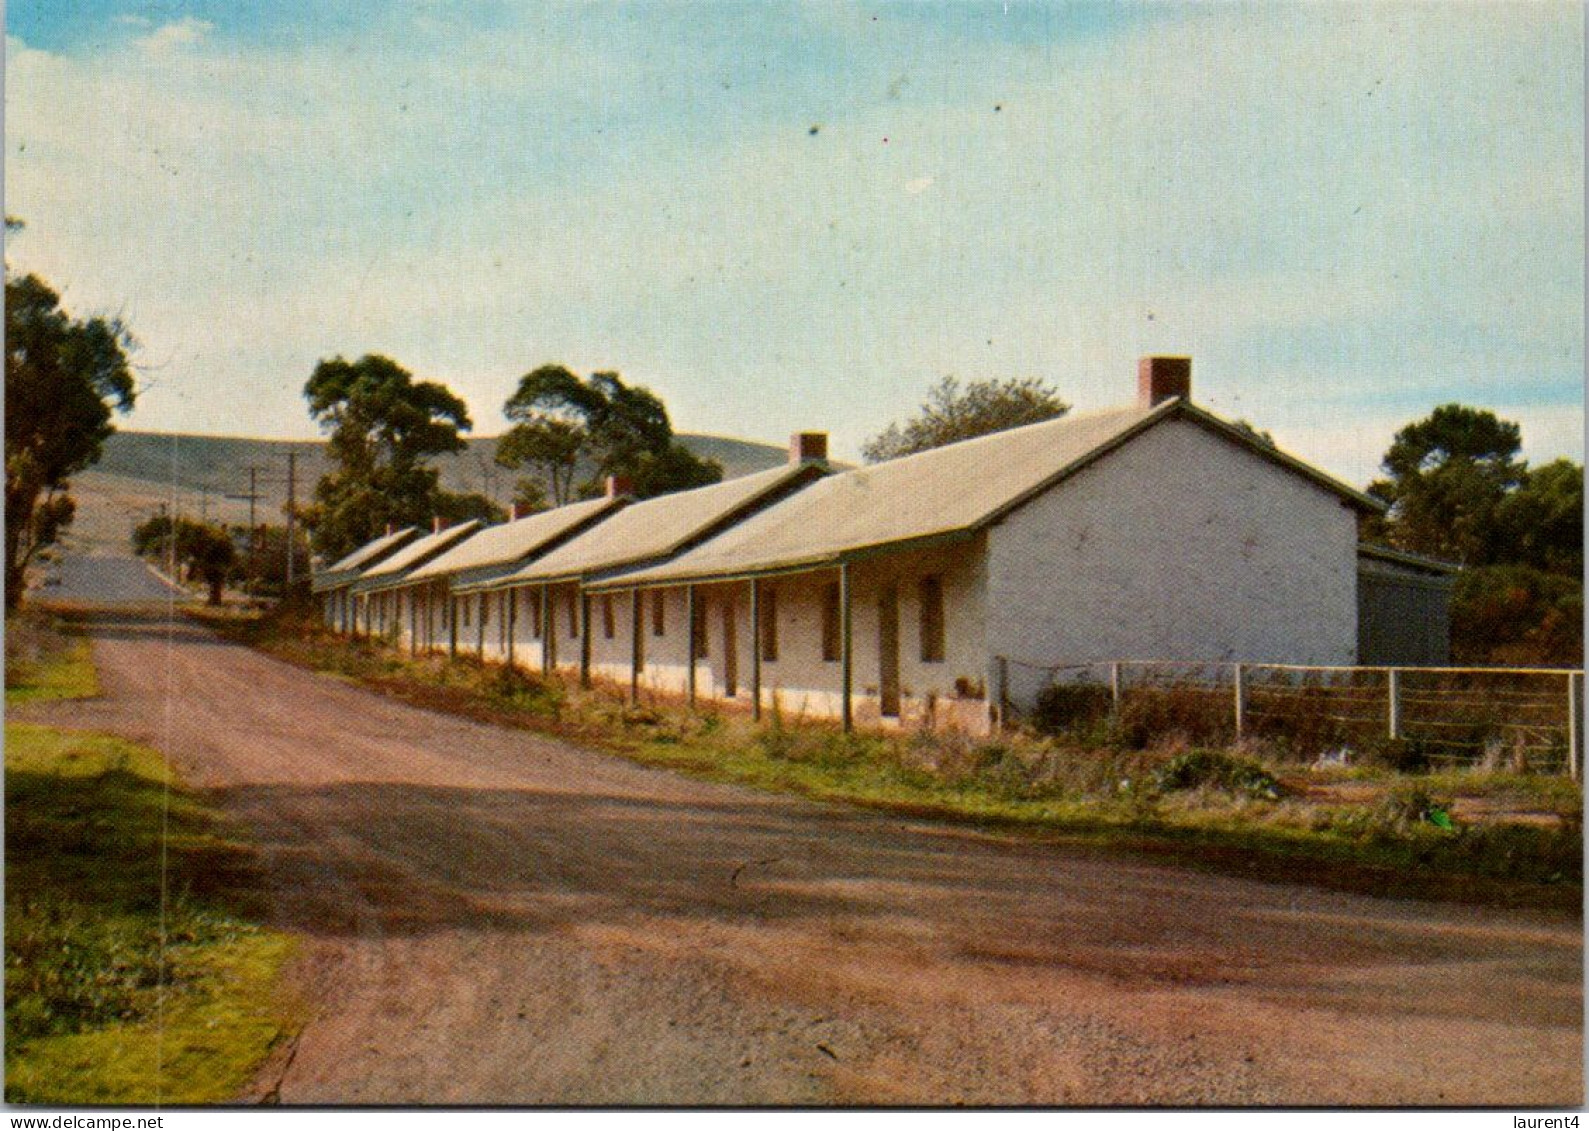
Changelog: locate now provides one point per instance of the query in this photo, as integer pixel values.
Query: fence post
(1114, 687)
(1001, 674)
(1393, 694)
(1241, 701)
(1574, 727)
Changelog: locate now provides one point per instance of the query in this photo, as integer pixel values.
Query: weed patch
(106, 1002)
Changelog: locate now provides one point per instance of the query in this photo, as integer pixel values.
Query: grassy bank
(121, 989)
(1503, 839)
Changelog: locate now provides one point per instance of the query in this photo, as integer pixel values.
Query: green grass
(97, 1011)
(46, 660)
(1198, 808)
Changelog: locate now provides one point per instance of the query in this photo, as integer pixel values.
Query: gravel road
(493, 917)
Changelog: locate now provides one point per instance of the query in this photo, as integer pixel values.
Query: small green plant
(1414, 805)
(1213, 769)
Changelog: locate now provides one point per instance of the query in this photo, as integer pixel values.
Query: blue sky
(788, 217)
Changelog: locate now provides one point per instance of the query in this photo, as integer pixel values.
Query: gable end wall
(1177, 546)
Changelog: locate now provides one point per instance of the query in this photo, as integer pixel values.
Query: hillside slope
(219, 465)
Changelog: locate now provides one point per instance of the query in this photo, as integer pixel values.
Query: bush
(1412, 806)
(1149, 714)
(1065, 707)
(1211, 769)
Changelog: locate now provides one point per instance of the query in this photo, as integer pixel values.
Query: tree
(1541, 522)
(952, 413)
(206, 553)
(562, 425)
(384, 426)
(65, 377)
(1448, 476)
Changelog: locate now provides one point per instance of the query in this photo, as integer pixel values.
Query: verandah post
(548, 635)
(636, 646)
(846, 666)
(689, 636)
(755, 650)
(584, 638)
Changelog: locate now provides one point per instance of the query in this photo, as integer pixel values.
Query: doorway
(730, 652)
(888, 650)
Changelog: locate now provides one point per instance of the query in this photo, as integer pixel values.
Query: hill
(206, 477)
(218, 466)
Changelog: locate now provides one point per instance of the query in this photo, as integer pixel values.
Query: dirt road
(494, 917)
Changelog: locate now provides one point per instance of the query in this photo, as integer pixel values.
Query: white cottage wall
(1179, 545)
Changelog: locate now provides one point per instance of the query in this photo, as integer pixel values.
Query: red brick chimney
(1160, 378)
(515, 511)
(805, 447)
(391, 529)
(438, 524)
(619, 486)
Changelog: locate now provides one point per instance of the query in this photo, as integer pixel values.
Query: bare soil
(496, 917)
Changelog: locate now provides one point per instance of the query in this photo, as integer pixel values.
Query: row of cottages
(334, 584)
(936, 589)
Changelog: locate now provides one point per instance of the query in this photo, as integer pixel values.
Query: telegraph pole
(292, 513)
(253, 524)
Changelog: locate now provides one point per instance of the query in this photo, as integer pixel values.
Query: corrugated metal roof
(416, 553)
(372, 549)
(511, 541)
(937, 493)
(658, 527)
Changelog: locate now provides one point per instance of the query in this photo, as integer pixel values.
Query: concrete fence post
(1114, 688)
(1241, 701)
(1393, 698)
(1001, 676)
(1574, 725)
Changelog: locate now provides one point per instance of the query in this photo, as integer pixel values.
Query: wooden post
(548, 632)
(1241, 701)
(1574, 725)
(480, 627)
(636, 645)
(413, 623)
(584, 638)
(452, 628)
(689, 636)
(512, 599)
(755, 650)
(1114, 688)
(1393, 694)
(846, 651)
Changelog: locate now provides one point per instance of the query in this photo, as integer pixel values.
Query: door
(888, 649)
(730, 652)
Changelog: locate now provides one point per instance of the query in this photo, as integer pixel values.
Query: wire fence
(1521, 719)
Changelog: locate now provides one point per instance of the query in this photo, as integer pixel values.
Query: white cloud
(185, 32)
(1317, 203)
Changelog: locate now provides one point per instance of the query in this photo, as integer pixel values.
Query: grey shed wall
(1403, 615)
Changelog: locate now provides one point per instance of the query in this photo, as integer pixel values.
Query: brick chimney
(438, 524)
(1160, 378)
(515, 511)
(391, 529)
(806, 447)
(619, 486)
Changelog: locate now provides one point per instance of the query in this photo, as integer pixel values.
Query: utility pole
(253, 524)
(292, 513)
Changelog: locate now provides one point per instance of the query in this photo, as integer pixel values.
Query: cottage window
(485, 609)
(932, 620)
(830, 622)
(609, 623)
(769, 623)
(698, 629)
(659, 620)
(573, 614)
(466, 613)
(535, 617)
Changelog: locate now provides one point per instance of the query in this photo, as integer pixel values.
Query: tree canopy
(565, 428)
(205, 552)
(1458, 490)
(952, 412)
(384, 428)
(65, 378)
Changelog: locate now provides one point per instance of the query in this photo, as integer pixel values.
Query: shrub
(1065, 707)
(1211, 769)
(1406, 807)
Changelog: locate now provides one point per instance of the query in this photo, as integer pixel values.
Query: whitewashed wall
(1177, 546)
